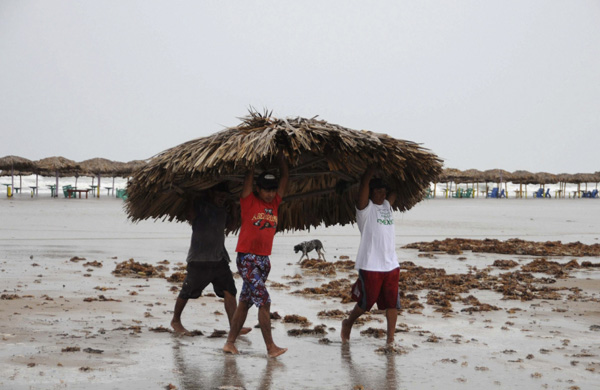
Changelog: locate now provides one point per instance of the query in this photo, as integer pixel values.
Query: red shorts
(380, 287)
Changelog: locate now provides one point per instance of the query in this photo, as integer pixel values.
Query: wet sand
(57, 314)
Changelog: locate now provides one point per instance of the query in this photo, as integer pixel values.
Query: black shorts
(200, 274)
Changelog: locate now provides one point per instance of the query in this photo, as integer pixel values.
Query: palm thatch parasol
(325, 160)
(15, 163)
(56, 166)
(100, 166)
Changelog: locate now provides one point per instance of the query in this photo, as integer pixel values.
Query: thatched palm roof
(16, 163)
(49, 166)
(98, 166)
(496, 175)
(523, 177)
(325, 160)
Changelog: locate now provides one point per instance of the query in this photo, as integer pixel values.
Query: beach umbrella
(100, 166)
(523, 177)
(496, 176)
(56, 166)
(449, 176)
(325, 161)
(473, 176)
(15, 163)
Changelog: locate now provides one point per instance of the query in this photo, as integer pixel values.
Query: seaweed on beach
(134, 269)
(505, 264)
(176, 277)
(94, 263)
(336, 314)
(101, 298)
(339, 288)
(217, 334)
(321, 266)
(9, 297)
(512, 246)
(374, 332)
(318, 330)
(296, 319)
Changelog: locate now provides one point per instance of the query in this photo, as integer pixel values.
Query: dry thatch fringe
(326, 162)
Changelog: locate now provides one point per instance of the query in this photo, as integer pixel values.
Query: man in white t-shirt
(376, 261)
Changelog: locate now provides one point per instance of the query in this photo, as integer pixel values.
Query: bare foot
(345, 333)
(230, 348)
(245, 330)
(276, 351)
(179, 329)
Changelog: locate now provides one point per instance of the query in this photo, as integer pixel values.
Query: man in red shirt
(259, 223)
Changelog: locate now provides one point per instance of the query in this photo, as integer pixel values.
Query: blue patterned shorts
(254, 270)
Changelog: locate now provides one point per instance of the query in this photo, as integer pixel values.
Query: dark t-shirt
(208, 233)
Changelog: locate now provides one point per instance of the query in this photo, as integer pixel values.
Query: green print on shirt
(385, 217)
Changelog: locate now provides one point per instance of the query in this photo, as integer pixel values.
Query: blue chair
(547, 195)
(539, 193)
(594, 194)
(502, 194)
(494, 193)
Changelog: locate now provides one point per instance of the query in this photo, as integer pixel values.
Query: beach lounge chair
(494, 193)
(594, 194)
(66, 191)
(547, 195)
(468, 193)
(502, 194)
(539, 193)
(122, 193)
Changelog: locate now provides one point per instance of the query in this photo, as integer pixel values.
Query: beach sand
(75, 325)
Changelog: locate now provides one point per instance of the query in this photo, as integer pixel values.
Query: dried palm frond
(325, 161)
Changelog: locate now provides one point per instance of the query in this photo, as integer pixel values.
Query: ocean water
(84, 182)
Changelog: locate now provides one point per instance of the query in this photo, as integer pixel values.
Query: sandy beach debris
(101, 298)
(92, 350)
(217, 333)
(75, 259)
(320, 266)
(71, 349)
(505, 264)
(339, 288)
(94, 263)
(132, 268)
(336, 314)
(9, 297)
(374, 332)
(176, 277)
(275, 315)
(318, 330)
(512, 246)
(161, 329)
(296, 319)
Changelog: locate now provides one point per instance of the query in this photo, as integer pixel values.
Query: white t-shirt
(377, 249)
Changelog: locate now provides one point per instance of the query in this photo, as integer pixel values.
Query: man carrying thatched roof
(207, 260)
(376, 261)
(259, 223)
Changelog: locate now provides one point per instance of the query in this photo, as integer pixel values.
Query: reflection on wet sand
(219, 371)
(386, 378)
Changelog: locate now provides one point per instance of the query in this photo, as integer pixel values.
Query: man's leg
(264, 320)
(391, 316)
(230, 307)
(348, 322)
(237, 322)
(176, 321)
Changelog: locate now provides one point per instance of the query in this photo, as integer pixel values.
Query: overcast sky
(483, 84)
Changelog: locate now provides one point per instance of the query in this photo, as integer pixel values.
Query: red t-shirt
(259, 222)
